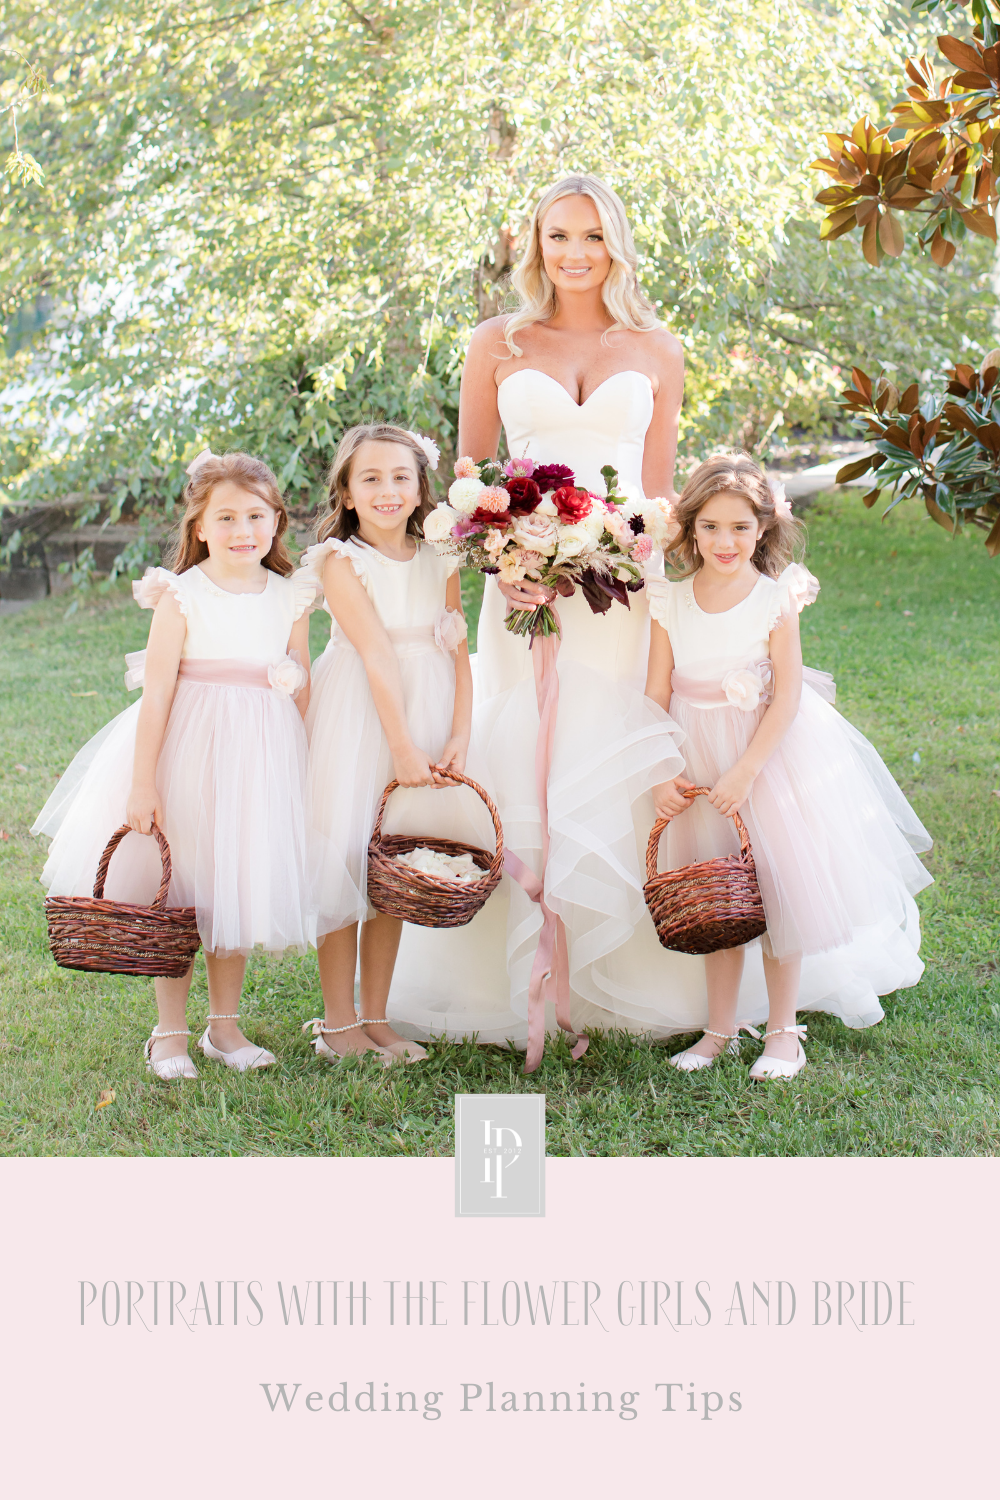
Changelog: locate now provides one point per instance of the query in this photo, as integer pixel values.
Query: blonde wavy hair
(736, 474)
(623, 296)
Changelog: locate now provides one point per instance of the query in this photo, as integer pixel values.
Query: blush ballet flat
(244, 1059)
(690, 1061)
(329, 1054)
(168, 1068)
(776, 1067)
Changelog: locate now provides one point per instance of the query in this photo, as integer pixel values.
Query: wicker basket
(429, 900)
(704, 907)
(109, 937)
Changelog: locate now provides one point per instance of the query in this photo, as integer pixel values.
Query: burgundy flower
(637, 525)
(525, 496)
(572, 504)
(492, 517)
(551, 476)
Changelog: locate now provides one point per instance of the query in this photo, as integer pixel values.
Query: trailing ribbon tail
(551, 956)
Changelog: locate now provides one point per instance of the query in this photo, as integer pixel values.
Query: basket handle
(655, 833)
(159, 901)
(456, 776)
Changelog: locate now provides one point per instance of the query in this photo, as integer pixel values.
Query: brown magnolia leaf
(993, 547)
(854, 470)
(965, 373)
(890, 233)
(989, 437)
(958, 417)
(869, 243)
(916, 440)
(834, 141)
(942, 250)
(960, 53)
(837, 224)
(970, 80)
(861, 382)
(991, 361)
(104, 1098)
(866, 210)
(937, 514)
(980, 222)
(898, 437)
(907, 196)
(991, 61)
(833, 195)
(870, 498)
(908, 400)
(861, 134)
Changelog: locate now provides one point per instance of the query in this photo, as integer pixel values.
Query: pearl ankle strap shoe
(777, 1067)
(244, 1059)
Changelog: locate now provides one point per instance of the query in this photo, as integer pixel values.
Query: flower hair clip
(205, 456)
(782, 506)
(431, 448)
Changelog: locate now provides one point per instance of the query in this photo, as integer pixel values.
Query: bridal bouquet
(528, 520)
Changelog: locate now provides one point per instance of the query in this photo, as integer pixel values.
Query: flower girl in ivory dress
(214, 753)
(391, 699)
(833, 837)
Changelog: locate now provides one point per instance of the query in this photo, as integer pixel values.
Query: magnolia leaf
(942, 250)
(854, 470)
(898, 437)
(993, 540)
(832, 195)
(980, 222)
(869, 243)
(842, 222)
(970, 80)
(907, 196)
(870, 498)
(937, 514)
(862, 383)
(908, 400)
(989, 436)
(960, 53)
(890, 233)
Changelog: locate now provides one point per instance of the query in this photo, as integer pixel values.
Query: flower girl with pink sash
(214, 753)
(391, 699)
(834, 840)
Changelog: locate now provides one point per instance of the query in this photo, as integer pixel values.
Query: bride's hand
(527, 595)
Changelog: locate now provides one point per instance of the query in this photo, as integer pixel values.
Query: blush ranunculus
(572, 504)
(536, 534)
(524, 496)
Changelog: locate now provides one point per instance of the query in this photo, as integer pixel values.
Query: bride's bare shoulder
(665, 345)
(487, 341)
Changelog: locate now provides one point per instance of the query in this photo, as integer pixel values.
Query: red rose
(492, 517)
(525, 496)
(572, 504)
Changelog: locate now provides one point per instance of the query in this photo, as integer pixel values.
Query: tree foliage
(260, 220)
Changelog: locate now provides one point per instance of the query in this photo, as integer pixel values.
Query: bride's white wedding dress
(612, 745)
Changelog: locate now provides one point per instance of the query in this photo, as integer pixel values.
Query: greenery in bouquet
(523, 520)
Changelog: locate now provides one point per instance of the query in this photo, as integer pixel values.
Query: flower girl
(391, 699)
(833, 837)
(214, 753)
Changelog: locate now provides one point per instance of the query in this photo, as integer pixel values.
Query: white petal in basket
(460, 868)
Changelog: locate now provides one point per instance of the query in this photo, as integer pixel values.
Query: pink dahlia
(492, 498)
(572, 504)
(643, 550)
(466, 468)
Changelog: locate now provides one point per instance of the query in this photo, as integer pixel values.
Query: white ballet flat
(777, 1067)
(243, 1059)
(321, 1049)
(168, 1068)
(690, 1061)
(407, 1052)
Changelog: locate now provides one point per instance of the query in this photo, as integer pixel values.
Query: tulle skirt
(834, 843)
(350, 767)
(612, 745)
(231, 776)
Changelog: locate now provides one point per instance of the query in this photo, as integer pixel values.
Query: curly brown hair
(250, 474)
(341, 520)
(783, 539)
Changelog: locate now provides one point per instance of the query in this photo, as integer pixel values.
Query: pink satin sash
(226, 672)
(551, 956)
(706, 692)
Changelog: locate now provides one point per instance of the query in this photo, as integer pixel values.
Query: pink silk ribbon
(551, 956)
(224, 672)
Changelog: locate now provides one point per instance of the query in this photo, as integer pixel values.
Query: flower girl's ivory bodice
(542, 421)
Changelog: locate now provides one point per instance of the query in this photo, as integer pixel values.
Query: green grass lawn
(908, 623)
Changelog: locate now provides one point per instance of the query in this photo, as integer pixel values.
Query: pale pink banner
(899, 1405)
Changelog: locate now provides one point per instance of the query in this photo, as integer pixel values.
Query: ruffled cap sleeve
(658, 598)
(791, 592)
(148, 590)
(309, 574)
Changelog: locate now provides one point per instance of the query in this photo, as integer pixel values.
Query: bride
(582, 374)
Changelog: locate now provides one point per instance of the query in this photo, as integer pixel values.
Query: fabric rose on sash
(748, 687)
(288, 676)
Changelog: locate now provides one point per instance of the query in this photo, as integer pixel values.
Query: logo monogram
(500, 1154)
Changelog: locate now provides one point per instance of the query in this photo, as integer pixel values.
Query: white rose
(536, 533)
(437, 525)
(574, 539)
(743, 689)
(593, 523)
(657, 519)
(546, 507)
(464, 495)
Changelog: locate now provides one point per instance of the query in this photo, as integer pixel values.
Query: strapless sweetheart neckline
(530, 370)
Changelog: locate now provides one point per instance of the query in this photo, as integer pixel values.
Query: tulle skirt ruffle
(834, 843)
(231, 776)
(350, 767)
